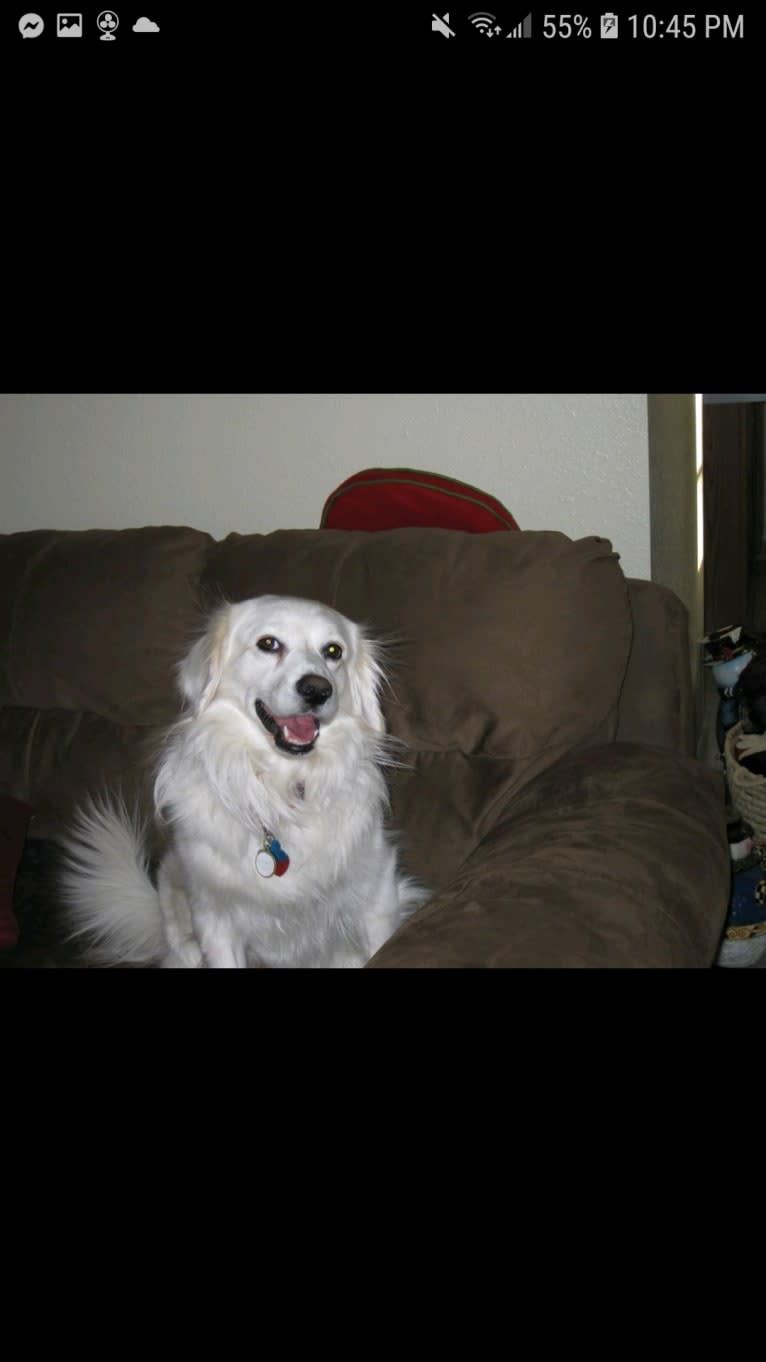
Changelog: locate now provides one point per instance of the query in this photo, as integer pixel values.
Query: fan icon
(107, 21)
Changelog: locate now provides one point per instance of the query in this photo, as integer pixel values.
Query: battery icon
(609, 25)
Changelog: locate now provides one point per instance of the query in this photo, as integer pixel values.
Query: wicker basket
(747, 790)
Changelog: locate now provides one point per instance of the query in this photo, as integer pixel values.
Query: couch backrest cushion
(14, 820)
(501, 645)
(505, 651)
(96, 620)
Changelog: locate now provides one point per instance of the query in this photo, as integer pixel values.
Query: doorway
(706, 471)
(733, 496)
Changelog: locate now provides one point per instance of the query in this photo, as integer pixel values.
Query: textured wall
(577, 463)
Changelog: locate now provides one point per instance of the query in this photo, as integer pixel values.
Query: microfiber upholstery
(503, 647)
(604, 861)
(96, 620)
(505, 652)
(545, 791)
(92, 626)
(14, 821)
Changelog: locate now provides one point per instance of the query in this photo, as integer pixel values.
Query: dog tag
(271, 859)
(265, 863)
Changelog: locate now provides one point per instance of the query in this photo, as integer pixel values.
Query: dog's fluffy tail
(104, 879)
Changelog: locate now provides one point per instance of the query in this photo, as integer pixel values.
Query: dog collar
(271, 859)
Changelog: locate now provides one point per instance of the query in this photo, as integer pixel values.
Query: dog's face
(291, 665)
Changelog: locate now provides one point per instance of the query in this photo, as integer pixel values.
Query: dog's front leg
(183, 949)
(219, 948)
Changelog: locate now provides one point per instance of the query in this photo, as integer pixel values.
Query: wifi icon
(485, 23)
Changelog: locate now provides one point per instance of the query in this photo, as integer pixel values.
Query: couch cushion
(503, 645)
(14, 820)
(656, 701)
(506, 651)
(95, 620)
(390, 498)
(614, 857)
(52, 758)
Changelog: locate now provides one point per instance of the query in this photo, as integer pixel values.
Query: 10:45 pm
(685, 26)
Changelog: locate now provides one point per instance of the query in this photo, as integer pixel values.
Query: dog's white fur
(222, 782)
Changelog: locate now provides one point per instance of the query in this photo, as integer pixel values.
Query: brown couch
(550, 802)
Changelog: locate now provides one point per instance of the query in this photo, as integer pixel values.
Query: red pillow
(398, 498)
(14, 820)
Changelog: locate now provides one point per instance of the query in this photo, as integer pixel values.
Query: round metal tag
(265, 863)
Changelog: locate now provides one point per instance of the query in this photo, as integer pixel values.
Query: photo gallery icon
(68, 25)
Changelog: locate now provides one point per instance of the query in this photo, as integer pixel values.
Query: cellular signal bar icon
(523, 30)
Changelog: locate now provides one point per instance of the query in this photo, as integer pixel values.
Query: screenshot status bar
(662, 26)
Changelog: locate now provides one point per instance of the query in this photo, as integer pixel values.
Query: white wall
(577, 463)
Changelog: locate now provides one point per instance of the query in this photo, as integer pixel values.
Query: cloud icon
(145, 26)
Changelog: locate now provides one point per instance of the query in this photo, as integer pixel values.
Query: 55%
(566, 26)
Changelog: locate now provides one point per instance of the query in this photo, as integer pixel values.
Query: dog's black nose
(314, 690)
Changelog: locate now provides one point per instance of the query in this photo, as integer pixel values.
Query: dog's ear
(199, 675)
(366, 678)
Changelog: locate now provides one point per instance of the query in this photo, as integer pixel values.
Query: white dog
(273, 795)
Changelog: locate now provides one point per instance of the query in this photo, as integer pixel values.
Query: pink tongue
(301, 728)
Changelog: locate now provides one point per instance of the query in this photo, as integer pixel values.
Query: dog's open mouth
(295, 733)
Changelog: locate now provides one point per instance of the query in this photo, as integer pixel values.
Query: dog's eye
(268, 644)
(333, 652)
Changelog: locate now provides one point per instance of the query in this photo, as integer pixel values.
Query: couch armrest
(655, 704)
(614, 857)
